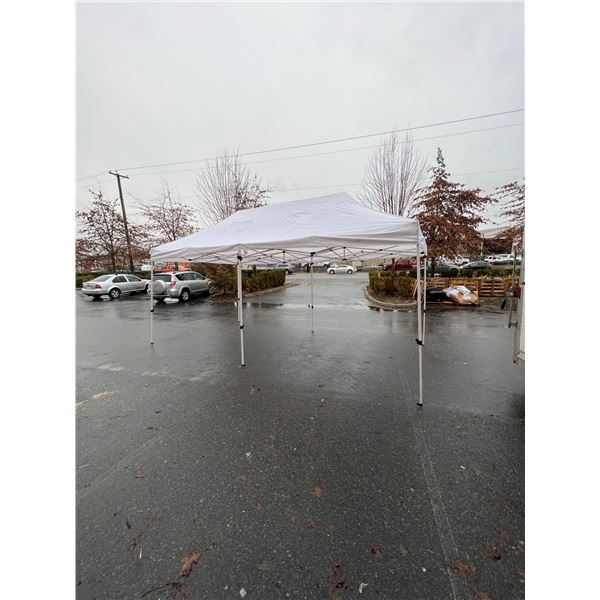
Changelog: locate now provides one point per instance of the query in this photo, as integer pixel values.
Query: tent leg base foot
(419, 404)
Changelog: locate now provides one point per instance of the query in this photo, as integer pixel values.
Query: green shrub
(391, 283)
(224, 278)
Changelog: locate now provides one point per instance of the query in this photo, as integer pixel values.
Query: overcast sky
(162, 83)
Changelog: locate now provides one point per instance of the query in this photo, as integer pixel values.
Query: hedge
(391, 283)
(224, 278)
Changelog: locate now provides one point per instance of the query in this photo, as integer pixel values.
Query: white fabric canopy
(333, 227)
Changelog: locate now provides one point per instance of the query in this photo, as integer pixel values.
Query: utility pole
(118, 176)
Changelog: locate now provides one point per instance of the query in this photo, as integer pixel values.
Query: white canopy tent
(332, 228)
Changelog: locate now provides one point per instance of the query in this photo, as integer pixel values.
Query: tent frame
(333, 227)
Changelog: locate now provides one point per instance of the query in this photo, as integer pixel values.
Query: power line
(256, 162)
(342, 185)
(333, 141)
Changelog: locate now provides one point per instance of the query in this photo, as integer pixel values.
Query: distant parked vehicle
(501, 259)
(349, 269)
(478, 265)
(182, 285)
(316, 265)
(283, 266)
(460, 260)
(401, 265)
(444, 268)
(113, 285)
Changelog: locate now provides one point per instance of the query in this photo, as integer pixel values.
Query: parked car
(316, 265)
(113, 285)
(403, 264)
(285, 266)
(444, 267)
(478, 265)
(179, 284)
(506, 259)
(460, 260)
(333, 269)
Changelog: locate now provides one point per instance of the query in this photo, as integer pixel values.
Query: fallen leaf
(403, 549)
(275, 451)
(337, 577)
(521, 573)
(137, 469)
(151, 520)
(264, 567)
(311, 523)
(128, 524)
(466, 570)
(317, 491)
(289, 513)
(101, 395)
(258, 507)
(503, 535)
(254, 389)
(492, 552)
(189, 561)
(315, 445)
(502, 504)
(242, 478)
(483, 596)
(376, 550)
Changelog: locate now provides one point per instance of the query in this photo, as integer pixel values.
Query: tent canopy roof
(333, 227)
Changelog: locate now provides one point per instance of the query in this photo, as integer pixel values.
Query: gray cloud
(161, 82)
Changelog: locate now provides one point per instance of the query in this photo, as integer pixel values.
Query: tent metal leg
(424, 299)
(151, 303)
(419, 328)
(240, 311)
(312, 307)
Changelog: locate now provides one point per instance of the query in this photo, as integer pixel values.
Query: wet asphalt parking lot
(310, 472)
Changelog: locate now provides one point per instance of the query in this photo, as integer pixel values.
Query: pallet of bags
(461, 294)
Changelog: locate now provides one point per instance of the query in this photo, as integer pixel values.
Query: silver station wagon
(113, 286)
(179, 284)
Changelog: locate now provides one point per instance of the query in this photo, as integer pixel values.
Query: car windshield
(162, 277)
(102, 278)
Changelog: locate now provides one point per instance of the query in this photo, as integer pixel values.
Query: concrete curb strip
(389, 305)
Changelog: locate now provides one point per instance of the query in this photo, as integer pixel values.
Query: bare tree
(101, 234)
(513, 211)
(168, 217)
(225, 186)
(393, 176)
(101, 228)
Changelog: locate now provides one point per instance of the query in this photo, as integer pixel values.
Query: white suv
(179, 284)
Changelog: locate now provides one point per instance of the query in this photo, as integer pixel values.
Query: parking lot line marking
(436, 499)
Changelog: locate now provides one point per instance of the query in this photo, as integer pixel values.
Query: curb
(389, 305)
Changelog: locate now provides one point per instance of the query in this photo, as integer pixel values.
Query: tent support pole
(240, 311)
(424, 298)
(419, 327)
(312, 307)
(151, 303)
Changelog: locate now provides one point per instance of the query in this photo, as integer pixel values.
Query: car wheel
(331, 272)
(185, 295)
(114, 293)
(145, 289)
(350, 271)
